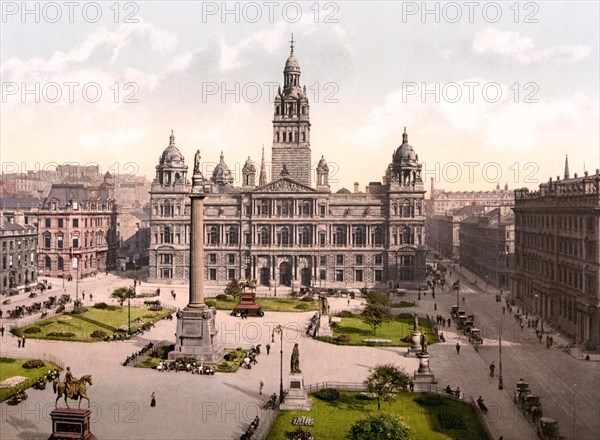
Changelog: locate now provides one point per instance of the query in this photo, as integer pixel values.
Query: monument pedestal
(71, 423)
(324, 327)
(197, 335)
(424, 374)
(296, 398)
(415, 348)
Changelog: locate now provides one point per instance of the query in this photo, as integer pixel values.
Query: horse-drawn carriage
(547, 429)
(533, 407)
(521, 392)
(475, 336)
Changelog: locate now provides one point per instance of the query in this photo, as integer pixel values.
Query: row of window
(93, 222)
(49, 264)
(26, 243)
(88, 205)
(97, 239)
(338, 275)
(569, 223)
(18, 279)
(8, 261)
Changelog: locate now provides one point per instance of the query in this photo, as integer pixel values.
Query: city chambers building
(285, 232)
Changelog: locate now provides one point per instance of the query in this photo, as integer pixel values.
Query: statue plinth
(71, 423)
(415, 348)
(424, 374)
(324, 327)
(297, 397)
(197, 335)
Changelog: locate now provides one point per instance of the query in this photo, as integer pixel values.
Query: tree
(122, 293)
(233, 289)
(375, 315)
(378, 298)
(385, 380)
(379, 427)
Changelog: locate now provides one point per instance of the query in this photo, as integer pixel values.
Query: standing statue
(284, 171)
(423, 343)
(295, 362)
(416, 325)
(197, 162)
(324, 310)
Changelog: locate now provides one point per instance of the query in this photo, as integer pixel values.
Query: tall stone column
(196, 328)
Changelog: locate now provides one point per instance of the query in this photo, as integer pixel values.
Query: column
(196, 289)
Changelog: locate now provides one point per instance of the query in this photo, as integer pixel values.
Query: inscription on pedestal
(192, 328)
(295, 384)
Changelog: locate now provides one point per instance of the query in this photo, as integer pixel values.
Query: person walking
(458, 348)
(23, 342)
(19, 343)
(2, 332)
(268, 348)
(260, 387)
(152, 400)
(492, 369)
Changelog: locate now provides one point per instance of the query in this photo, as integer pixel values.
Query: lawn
(10, 367)
(268, 304)
(229, 364)
(156, 356)
(80, 326)
(332, 420)
(399, 328)
(402, 304)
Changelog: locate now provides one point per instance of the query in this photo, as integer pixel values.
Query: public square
(221, 406)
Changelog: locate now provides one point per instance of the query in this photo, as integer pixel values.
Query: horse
(60, 388)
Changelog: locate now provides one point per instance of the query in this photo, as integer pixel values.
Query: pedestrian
(434, 306)
(19, 343)
(449, 321)
(411, 384)
(83, 294)
(268, 348)
(458, 348)
(348, 303)
(2, 332)
(91, 297)
(503, 310)
(492, 369)
(23, 342)
(261, 385)
(153, 400)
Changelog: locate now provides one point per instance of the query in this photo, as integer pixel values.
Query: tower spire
(172, 139)
(566, 166)
(292, 44)
(262, 179)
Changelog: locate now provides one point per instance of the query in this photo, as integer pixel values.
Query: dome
(292, 63)
(221, 174)
(405, 151)
(249, 167)
(171, 153)
(323, 164)
(343, 191)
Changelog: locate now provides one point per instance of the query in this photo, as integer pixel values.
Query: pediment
(284, 185)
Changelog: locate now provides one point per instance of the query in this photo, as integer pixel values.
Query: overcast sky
(517, 86)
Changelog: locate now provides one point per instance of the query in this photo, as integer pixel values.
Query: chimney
(356, 191)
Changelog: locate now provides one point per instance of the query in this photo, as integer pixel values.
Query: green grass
(110, 320)
(236, 357)
(402, 304)
(332, 420)
(397, 329)
(10, 367)
(268, 304)
(156, 356)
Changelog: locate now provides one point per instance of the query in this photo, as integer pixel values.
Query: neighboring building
(18, 244)
(487, 245)
(443, 237)
(441, 201)
(29, 184)
(133, 232)
(557, 255)
(78, 223)
(12, 206)
(286, 232)
(132, 193)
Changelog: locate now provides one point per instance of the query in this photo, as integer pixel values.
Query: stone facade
(18, 244)
(78, 222)
(487, 245)
(285, 232)
(441, 201)
(557, 255)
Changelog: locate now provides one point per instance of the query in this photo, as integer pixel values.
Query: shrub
(450, 420)
(210, 302)
(221, 297)
(365, 396)
(328, 394)
(345, 314)
(429, 400)
(334, 325)
(307, 299)
(61, 334)
(7, 360)
(155, 308)
(33, 364)
(98, 334)
(405, 316)
(407, 338)
(78, 311)
(100, 305)
(32, 330)
(299, 434)
(343, 338)
(302, 306)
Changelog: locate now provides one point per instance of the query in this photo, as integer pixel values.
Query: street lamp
(279, 329)
(129, 310)
(500, 384)
(419, 292)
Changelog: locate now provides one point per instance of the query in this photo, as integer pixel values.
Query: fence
(267, 417)
(30, 355)
(142, 356)
(22, 322)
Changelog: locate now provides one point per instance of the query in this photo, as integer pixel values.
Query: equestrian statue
(72, 388)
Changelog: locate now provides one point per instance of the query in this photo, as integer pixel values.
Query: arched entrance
(285, 274)
(264, 276)
(305, 276)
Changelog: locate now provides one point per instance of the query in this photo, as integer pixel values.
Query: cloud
(110, 139)
(512, 45)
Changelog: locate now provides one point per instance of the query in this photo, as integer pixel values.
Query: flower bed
(378, 341)
(12, 381)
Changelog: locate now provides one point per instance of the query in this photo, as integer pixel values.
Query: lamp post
(500, 384)
(279, 329)
(129, 310)
(457, 288)
(419, 297)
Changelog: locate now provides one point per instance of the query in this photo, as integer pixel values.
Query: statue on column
(416, 325)
(197, 162)
(295, 361)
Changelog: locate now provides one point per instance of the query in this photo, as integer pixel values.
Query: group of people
(440, 320)
(251, 357)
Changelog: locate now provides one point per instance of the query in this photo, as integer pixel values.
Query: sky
(489, 92)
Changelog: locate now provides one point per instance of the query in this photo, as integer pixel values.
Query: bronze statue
(295, 363)
(416, 325)
(197, 162)
(324, 310)
(72, 388)
(284, 171)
